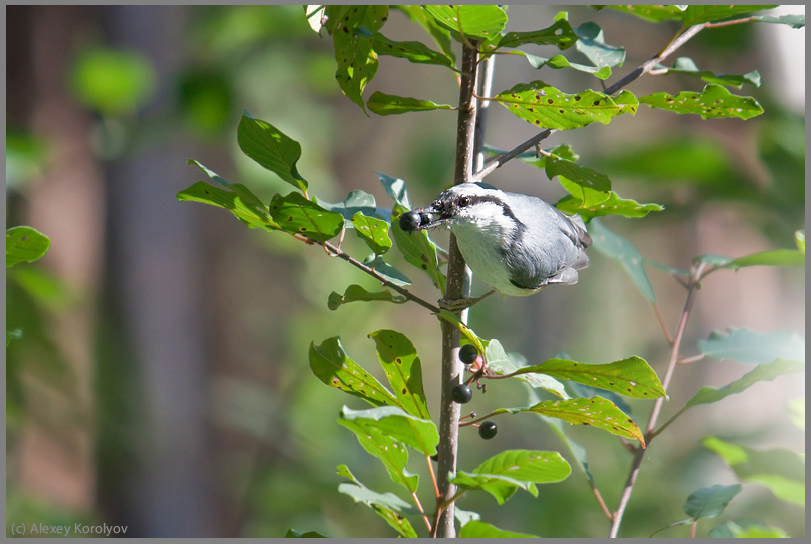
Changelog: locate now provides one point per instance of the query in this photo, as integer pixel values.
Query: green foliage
(746, 528)
(355, 293)
(375, 232)
(559, 34)
(710, 501)
(686, 66)
(618, 248)
(389, 104)
(297, 215)
(475, 22)
(416, 52)
(417, 249)
(25, 245)
(403, 369)
(714, 102)
(271, 148)
(480, 529)
(745, 346)
(387, 505)
(697, 14)
(591, 42)
(113, 82)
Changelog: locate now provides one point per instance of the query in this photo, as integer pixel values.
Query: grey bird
(516, 243)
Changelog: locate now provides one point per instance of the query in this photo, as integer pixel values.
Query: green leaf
(654, 14)
(596, 411)
(545, 106)
(589, 203)
(394, 423)
(697, 14)
(374, 232)
(504, 474)
(780, 470)
(591, 42)
(632, 377)
(271, 148)
(354, 53)
(618, 248)
(586, 177)
(399, 360)
(745, 528)
(794, 21)
(390, 452)
(389, 104)
(355, 293)
(774, 257)
(387, 271)
(714, 102)
(387, 505)
(25, 245)
(395, 188)
(480, 529)
(501, 363)
(330, 363)
(799, 238)
(416, 52)
(563, 151)
(473, 21)
(559, 34)
(357, 201)
(440, 34)
(559, 61)
(417, 249)
(754, 348)
(309, 534)
(765, 372)
(686, 66)
(297, 215)
(709, 502)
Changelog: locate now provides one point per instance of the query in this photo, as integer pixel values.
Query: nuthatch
(516, 243)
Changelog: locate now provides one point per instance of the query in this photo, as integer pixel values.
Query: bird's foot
(462, 303)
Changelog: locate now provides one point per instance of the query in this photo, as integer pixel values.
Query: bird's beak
(423, 218)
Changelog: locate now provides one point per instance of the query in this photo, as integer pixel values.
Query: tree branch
(504, 158)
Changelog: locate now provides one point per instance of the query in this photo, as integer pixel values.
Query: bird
(518, 244)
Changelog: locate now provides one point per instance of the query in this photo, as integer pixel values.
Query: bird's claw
(462, 303)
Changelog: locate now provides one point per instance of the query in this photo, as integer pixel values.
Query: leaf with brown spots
(400, 362)
(237, 199)
(714, 102)
(375, 232)
(632, 377)
(330, 363)
(297, 215)
(475, 22)
(416, 52)
(589, 203)
(595, 411)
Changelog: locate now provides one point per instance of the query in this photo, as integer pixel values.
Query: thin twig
(600, 500)
(419, 507)
(504, 158)
(662, 324)
(433, 476)
(693, 359)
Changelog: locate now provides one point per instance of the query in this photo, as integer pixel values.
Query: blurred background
(162, 380)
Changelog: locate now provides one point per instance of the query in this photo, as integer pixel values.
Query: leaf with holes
(559, 34)
(475, 22)
(632, 377)
(589, 203)
(697, 14)
(591, 42)
(330, 363)
(400, 361)
(237, 199)
(754, 348)
(417, 249)
(504, 474)
(596, 411)
(618, 248)
(765, 372)
(559, 61)
(480, 529)
(374, 232)
(25, 245)
(386, 505)
(545, 106)
(354, 53)
(388, 450)
(355, 293)
(297, 215)
(714, 102)
(416, 52)
(395, 423)
(271, 148)
(389, 104)
(686, 66)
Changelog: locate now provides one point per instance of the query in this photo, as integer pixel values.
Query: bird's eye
(464, 201)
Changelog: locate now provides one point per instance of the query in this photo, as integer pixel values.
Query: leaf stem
(662, 323)
(422, 511)
(433, 475)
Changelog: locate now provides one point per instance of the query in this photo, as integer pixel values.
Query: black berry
(461, 394)
(488, 429)
(468, 354)
(410, 221)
